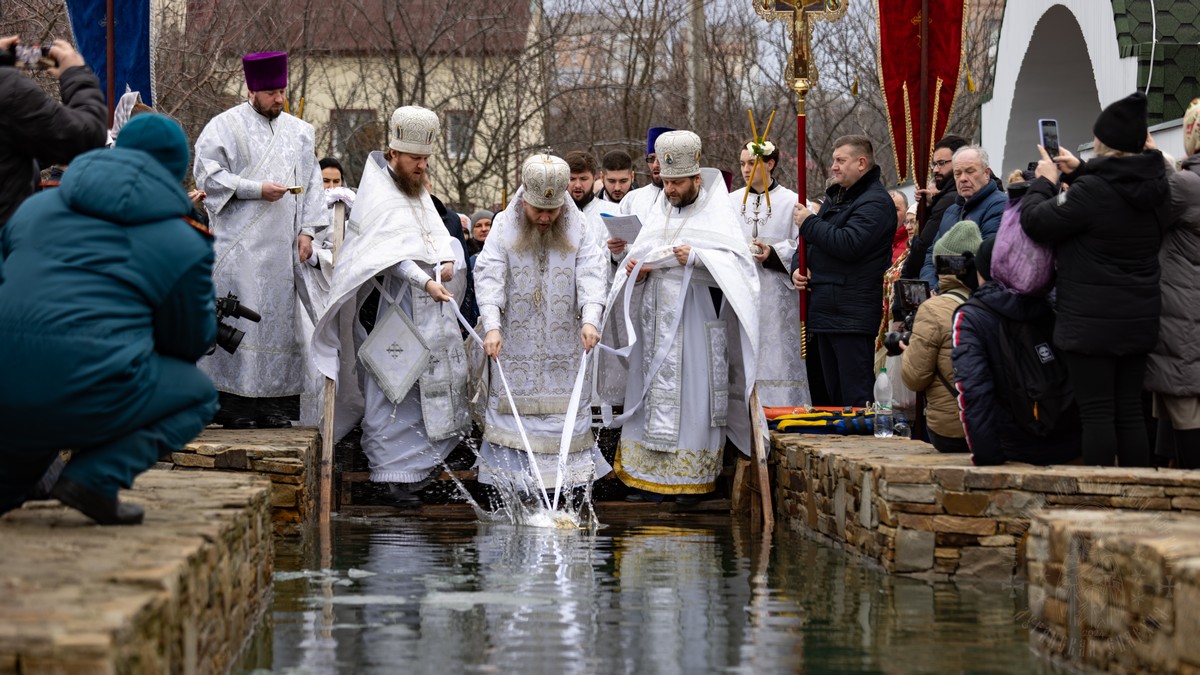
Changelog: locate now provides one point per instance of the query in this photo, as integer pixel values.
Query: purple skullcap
(265, 71)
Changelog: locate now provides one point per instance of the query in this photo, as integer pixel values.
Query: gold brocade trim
(937, 102)
(705, 466)
(891, 132)
(910, 159)
(962, 57)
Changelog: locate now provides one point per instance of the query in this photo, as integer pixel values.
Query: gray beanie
(963, 237)
(480, 215)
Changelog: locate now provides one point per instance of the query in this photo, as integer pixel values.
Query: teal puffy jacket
(100, 275)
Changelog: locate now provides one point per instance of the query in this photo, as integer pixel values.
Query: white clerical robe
(539, 302)
(638, 202)
(783, 376)
(255, 241)
(394, 245)
(678, 398)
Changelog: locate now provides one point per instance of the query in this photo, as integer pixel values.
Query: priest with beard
(540, 283)
(387, 339)
(691, 365)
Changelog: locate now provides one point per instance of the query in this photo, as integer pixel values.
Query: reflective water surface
(688, 595)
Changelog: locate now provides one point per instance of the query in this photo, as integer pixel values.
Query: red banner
(900, 74)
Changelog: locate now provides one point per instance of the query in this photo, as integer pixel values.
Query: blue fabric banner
(131, 33)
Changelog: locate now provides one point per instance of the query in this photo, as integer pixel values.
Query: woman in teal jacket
(106, 304)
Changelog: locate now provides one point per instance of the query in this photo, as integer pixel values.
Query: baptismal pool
(684, 595)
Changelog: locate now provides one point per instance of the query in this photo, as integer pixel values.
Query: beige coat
(929, 349)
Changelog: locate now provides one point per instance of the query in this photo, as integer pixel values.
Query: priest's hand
(447, 271)
(682, 252)
(304, 247)
(760, 251)
(801, 214)
(630, 264)
(272, 191)
(590, 336)
(800, 280)
(437, 291)
(492, 342)
(617, 246)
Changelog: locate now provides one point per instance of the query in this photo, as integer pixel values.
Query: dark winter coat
(1106, 235)
(849, 249)
(1174, 365)
(985, 208)
(36, 131)
(104, 281)
(992, 433)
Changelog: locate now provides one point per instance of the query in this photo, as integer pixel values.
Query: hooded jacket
(1106, 231)
(102, 274)
(36, 131)
(849, 249)
(1174, 366)
(991, 431)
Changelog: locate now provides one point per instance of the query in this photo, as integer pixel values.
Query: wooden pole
(761, 473)
(339, 226)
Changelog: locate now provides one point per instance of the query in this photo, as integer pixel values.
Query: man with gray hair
(980, 201)
(540, 284)
(386, 338)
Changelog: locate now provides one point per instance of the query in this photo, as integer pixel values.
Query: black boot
(103, 510)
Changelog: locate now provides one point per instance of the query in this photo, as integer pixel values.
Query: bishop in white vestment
(768, 227)
(683, 349)
(402, 366)
(540, 283)
(265, 201)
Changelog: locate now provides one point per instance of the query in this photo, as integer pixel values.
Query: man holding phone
(249, 161)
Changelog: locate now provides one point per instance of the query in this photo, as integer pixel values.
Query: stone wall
(1116, 592)
(177, 594)
(920, 512)
(287, 457)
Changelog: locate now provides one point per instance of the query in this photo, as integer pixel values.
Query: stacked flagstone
(920, 512)
(177, 594)
(1115, 591)
(287, 457)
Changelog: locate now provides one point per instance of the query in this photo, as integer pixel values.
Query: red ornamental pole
(802, 191)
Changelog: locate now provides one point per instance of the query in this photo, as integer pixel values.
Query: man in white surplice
(405, 358)
(247, 158)
(678, 397)
(782, 375)
(540, 283)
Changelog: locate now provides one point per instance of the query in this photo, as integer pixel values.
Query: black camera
(228, 337)
(910, 293)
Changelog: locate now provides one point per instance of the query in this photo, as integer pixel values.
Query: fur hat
(545, 178)
(413, 129)
(1122, 125)
(678, 153)
(961, 238)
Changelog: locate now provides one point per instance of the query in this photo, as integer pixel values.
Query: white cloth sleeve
(412, 273)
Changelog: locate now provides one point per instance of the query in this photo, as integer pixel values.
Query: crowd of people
(664, 306)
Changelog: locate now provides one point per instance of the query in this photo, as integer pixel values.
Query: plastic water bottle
(883, 405)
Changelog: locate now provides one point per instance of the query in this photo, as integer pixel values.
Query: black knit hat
(1122, 125)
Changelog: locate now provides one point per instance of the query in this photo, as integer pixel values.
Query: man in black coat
(849, 249)
(35, 130)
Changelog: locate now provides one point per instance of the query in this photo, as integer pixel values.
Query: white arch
(1115, 77)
